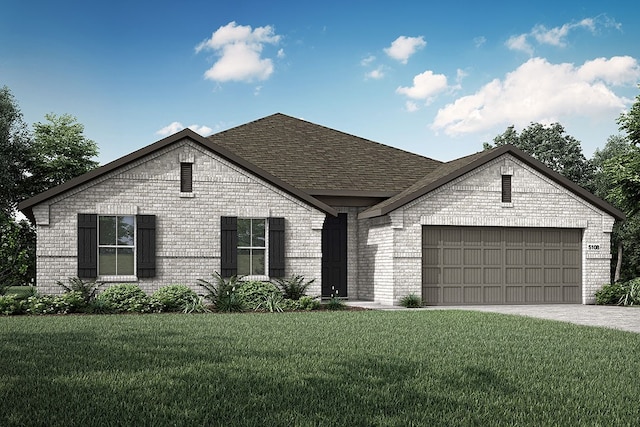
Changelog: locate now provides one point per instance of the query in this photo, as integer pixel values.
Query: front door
(334, 256)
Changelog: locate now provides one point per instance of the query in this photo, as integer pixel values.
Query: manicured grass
(319, 368)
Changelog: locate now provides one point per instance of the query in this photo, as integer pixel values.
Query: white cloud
(368, 60)
(376, 74)
(411, 106)
(281, 53)
(174, 127)
(403, 47)
(539, 91)
(425, 86)
(479, 41)
(520, 43)
(557, 36)
(240, 48)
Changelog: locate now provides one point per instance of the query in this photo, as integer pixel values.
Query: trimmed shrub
(411, 301)
(70, 302)
(11, 304)
(254, 292)
(175, 297)
(610, 294)
(308, 303)
(126, 298)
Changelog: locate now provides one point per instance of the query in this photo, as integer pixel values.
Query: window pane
(107, 230)
(125, 262)
(244, 232)
(244, 262)
(125, 230)
(107, 261)
(257, 261)
(258, 233)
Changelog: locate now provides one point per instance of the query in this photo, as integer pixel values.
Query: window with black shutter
(506, 188)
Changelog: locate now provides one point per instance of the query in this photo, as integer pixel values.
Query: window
(251, 246)
(242, 246)
(116, 245)
(506, 188)
(186, 177)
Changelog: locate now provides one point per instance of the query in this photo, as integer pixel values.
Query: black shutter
(87, 246)
(146, 245)
(186, 177)
(276, 247)
(506, 188)
(228, 246)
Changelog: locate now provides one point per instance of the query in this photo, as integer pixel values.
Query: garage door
(493, 265)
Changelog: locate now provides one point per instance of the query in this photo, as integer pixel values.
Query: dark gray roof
(26, 206)
(449, 171)
(324, 161)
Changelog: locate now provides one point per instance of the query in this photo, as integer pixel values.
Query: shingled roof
(449, 171)
(324, 161)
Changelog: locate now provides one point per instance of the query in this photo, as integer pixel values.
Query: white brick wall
(188, 228)
(475, 199)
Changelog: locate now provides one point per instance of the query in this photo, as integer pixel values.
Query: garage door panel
(472, 294)
(552, 275)
(492, 276)
(451, 276)
(473, 276)
(493, 295)
(533, 275)
(514, 294)
(534, 294)
(514, 276)
(452, 295)
(492, 265)
(473, 257)
(553, 294)
(452, 256)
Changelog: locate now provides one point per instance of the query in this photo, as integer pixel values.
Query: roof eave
(26, 206)
(516, 152)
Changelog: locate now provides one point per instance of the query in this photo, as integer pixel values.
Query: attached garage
(501, 265)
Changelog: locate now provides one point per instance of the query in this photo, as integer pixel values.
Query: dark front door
(334, 256)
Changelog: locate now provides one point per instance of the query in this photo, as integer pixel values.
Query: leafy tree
(17, 252)
(60, 151)
(616, 145)
(630, 122)
(14, 153)
(551, 146)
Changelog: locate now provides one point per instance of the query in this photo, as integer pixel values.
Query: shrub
(254, 292)
(223, 293)
(411, 301)
(273, 303)
(294, 287)
(631, 294)
(70, 302)
(308, 303)
(175, 297)
(335, 303)
(88, 290)
(11, 304)
(126, 298)
(610, 294)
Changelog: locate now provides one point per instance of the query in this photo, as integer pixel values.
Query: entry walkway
(615, 317)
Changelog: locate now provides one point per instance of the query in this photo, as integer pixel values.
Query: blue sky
(435, 79)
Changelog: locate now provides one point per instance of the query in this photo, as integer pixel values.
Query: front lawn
(318, 368)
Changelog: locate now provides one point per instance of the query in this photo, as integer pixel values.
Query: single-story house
(281, 196)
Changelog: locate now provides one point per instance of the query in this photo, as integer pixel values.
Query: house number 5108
(593, 247)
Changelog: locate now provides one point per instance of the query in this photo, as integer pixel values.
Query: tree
(630, 122)
(14, 153)
(551, 146)
(17, 252)
(60, 151)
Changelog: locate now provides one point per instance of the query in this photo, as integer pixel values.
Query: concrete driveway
(614, 317)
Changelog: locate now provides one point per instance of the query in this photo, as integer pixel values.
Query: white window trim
(259, 277)
(115, 277)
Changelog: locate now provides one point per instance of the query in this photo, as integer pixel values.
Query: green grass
(319, 368)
